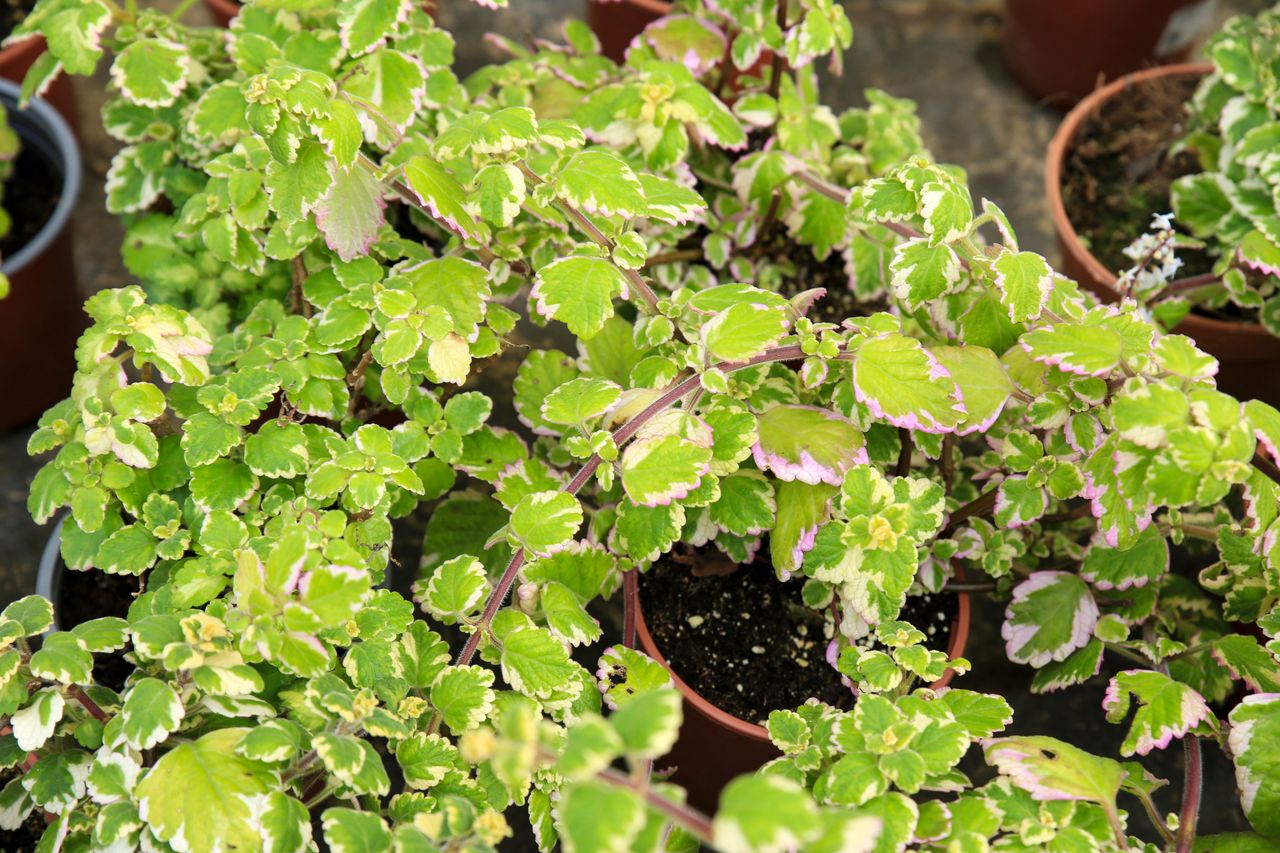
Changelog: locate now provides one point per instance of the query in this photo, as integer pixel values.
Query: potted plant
(21, 52)
(1061, 52)
(1175, 158)
(994, 417)
(40, 316)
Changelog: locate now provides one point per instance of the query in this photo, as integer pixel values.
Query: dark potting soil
(88, 595)
(12, 13)
(1117, 172)
(26, 836)
(747, 642)
(807, 272)
(30, 196)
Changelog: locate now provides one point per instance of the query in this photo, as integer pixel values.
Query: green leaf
(580, 401)
(365, 24)
(545, 522)
(535, 663)
(598, 181)
(203, 793)
(104, 634)
(645, 533)
(463, 695)
(578, 291)
(334, 592)
(1024, 280)
(743, 331)
(1254, 744)
(140, 401)
(499, 194)
(1083, 350)
(746, 505)
(1079, 667)
(207, 438)
(670, 202)
(61, 658)
(425, 759)
(596, 818)
(900, 382)
(1166, 709)
(1049, 769)
(983, 382)
(440, 191)
(278, 449)
(295, 188)
(947, 211)
(224, 484)
(807, 444)
(1051, 615)
(565, 615)
(130, 550)
(649, 723)
(456, 590)
(350, 831)
(32, 612)
(1246, 659)
(1202, 201)
(923, 271)
(659, 469)
(801, 509)
(152, 711)
(1115, 568)
(764, 813)
(152, 72)
(350, 213)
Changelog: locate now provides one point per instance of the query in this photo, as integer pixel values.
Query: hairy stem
(948, 462)
(356, 381)
(1267, 467)
(979, 506)
(1182, 285)
(673, 257)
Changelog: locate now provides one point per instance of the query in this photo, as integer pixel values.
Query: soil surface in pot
(747, 642)
(30, 196)
(88, 595)
(1117, 170)
(12, 13)
(26, 836)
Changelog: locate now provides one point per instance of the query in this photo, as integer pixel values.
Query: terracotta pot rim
(959, 640)
(661, 8)
(1057, 153)
(10, 52)
(228, 6)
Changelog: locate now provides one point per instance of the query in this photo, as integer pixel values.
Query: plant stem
(979, 506)
(948, 462)
(1190, 794)
(77, 693)
(356, 381)
(1266, 466)
(775, 70)
(630, 601)
(1191, 283)
(673, 257)
(1152, 815)
(904, 455)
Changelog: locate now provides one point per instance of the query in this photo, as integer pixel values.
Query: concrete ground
(941, 53)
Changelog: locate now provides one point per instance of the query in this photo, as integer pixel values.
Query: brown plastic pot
(715, 746)
(41, 317)
(1248, 355)
(18, 57)
(1059, 50)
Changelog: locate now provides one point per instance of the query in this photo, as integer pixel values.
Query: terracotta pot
(617, 23)
(1059, 51)
(41, 318)
(222, 11)
(1248, 354)
(715, 746)
(17, 58)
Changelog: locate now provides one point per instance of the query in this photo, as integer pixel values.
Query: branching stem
(1193, 779)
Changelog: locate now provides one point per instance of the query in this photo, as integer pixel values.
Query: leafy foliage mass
(335, 237)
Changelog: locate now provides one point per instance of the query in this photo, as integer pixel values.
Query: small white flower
(1162, 222)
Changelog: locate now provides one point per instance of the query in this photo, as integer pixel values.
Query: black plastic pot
(41, 318)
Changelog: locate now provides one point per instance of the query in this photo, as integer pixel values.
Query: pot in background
(41, 318)
(1058, 51)
(617, 22)
(222, 11)
(1248, 355)
(18, 57)
(714, 746)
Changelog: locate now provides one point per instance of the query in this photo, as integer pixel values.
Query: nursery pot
(19, 56)
(715, 746)
(41, 318)
(1059, 51)
(222, 11)
(1248, 355)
